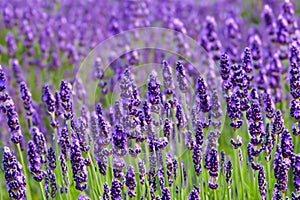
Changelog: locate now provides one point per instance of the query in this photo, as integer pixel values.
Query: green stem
(28, 193)
(42, 190)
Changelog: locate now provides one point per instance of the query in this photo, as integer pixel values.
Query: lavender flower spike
(26, 98)
(35, 162)
(13, 121)
(15, 179)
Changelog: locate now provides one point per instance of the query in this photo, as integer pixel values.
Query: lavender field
(160, 100)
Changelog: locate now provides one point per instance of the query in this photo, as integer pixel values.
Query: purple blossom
(35, 162)
(51, 158)
(296, 170)
(15, 179)
(26, 98)
(262, 184)
(116, 191)
(130, 181)
(2, 80)
(48, 98)
(13, 121)
(65, 96)
(79, 170)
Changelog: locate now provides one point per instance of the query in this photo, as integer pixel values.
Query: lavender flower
(11, 45)
(13, 121)
(181, 76)
(64, 141)
(197, 158)
(154, 89)
(212, 164)
(233, 35)
(39, 140)
(262, 183)
(142, 170)
(287, 146)
(15, 179)
(194, 195)
(278, 124)
(268, 143)
(78, 166)
(255, 46)
(202, 96)
(119, 138)
(51, 158)
(2, 80)
(168, 79)
(26, 98)
(106, 192)
(229, 173)
(50, 182)
(64, 168)
(225, 71)
(269, 106)
(65, 96)
(166, 195)
(116, 191)
(296, 171)
(280, 170)
(130, 181)
(247, 60)
(269, 20)
(83, 197)
(35, 162)
(234, 111)
(48, 98)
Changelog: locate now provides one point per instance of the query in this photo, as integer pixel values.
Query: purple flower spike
(48, 98)
(116, 191)
(262, 183)
(50, 182)
(35, 162)
(26, 98)
(296, 171)
(229, 173)
(269, 20)
(79, 170)
(106, 192)
(278, 124)
(287, 145)
(166, 195)
(2, 80)
(194, 195)
(280, 170)
(268, 143)
(11, 45)
(51, 158)
(168, 78)
(197, 158)
(15, 179)
(234, 111)
(269, 106)
(154, 89)
(225, 71)
(13, 121)
(295, 109)
(65, 96)
(247, 60)
(203, 98)
(130, 181)
(39, 140)
(181, 76)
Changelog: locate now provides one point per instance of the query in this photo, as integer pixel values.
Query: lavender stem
(28, 193)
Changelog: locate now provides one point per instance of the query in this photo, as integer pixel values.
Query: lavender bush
(149, 100)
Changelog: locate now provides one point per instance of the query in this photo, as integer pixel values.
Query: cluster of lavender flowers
(166, 134)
